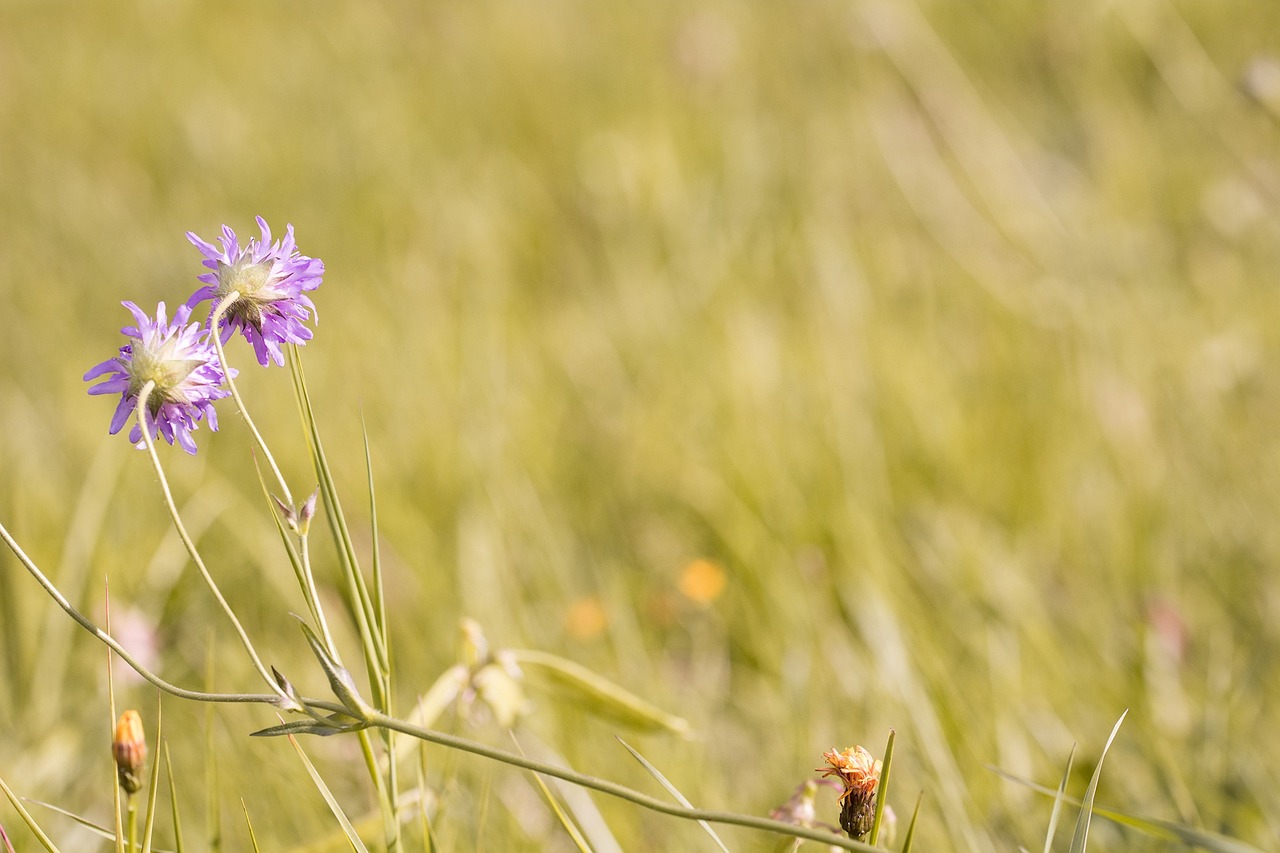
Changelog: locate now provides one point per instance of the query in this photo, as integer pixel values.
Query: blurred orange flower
(702, 581)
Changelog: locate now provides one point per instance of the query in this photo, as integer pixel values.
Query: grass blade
(361, 607)
(28, 819)
(1081, 837)
(149, 824)
(347, 828)
(1057, 803)
(882, 789)
(173, 802)
(569, 826)
(911, 827)
(671, 789)
(1164, 830)
(253, 837)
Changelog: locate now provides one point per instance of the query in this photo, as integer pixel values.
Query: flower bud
(129, 747)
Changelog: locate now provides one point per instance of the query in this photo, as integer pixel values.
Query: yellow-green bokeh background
(948, 329)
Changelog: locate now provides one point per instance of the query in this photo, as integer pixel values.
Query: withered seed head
(860, 774)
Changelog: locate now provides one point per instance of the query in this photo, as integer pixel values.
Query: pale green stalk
(313, 598)
(190, 545)
(370, 623)
(131, 805)
(214, 318)
(613, 789)
(111, 643)
(308, 581)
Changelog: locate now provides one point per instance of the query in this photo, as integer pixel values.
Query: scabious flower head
(273, 280)
(860, 774)
(182, 362)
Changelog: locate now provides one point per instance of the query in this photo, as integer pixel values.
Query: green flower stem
(613, 789)
(131, 808)
(190, 545)
(111, 643)
(313, 598)
(386, 802)
(214, 319)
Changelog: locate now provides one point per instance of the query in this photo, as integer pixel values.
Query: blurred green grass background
(947, 330)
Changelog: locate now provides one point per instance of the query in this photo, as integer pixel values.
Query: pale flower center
(159, 366)
(253, 283)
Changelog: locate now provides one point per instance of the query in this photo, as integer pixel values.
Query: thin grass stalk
(190, 545)
(178, 846)
(214, 318)
(613, 789)
(357, 591)
(273, 699)
(39, 833)
(301, 570)
(111, 719)
(388, 738)
(153, 791)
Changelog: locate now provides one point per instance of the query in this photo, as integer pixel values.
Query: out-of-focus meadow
(944, 334)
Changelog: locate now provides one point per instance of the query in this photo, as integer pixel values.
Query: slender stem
(386, 805)
(214, 333)
(131, 806)
(313, 598)
(613, 789)
(190, 545)
(110, 642)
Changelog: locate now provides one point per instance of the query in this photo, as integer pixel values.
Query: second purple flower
(273, 280)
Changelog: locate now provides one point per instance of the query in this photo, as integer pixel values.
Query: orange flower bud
(129, 747)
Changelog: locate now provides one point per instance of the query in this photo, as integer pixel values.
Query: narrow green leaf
(672, 790)
(333, 725)
(1162, 829)
(173, 802)
(253, 837)
(111, 719)
(911, 827)
(149, 824)
(357, 591)
(1080, 839)
(1057, 802)
(28, 819)
(347, 828)
(94, 828)
(340, 680)
(213, 814)
(379, 595)
(597, 693)
(882, 789)
(570, 827)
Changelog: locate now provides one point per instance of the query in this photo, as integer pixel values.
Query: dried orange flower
(860, 774)
(129, 747)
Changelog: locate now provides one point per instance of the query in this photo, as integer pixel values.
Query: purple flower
(272, 279)
(180, 358)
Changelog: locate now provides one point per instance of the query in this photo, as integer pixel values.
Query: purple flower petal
(180, 359)
(272, 280)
